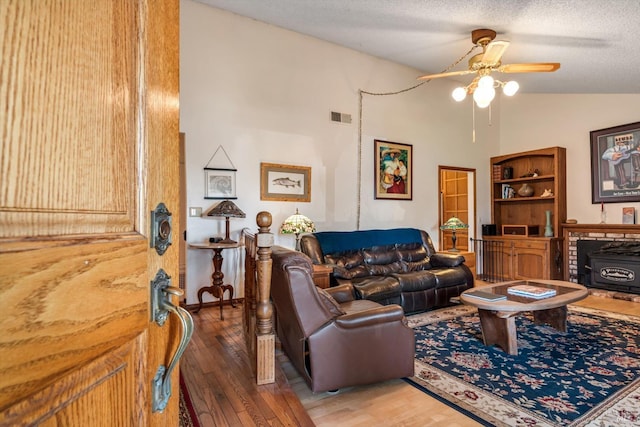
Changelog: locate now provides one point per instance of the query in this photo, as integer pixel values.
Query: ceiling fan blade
(536, 67)
(449, 74)
(494, 51)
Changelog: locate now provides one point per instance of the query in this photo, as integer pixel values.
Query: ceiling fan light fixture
(483, 96)
(459, 94)
(510, 88)
(486, 81)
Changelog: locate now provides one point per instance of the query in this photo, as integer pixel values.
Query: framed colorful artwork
(393, 170)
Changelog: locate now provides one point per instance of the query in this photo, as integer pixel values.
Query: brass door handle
(161, 306)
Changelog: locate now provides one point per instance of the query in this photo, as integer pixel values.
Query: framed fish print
(285, 183)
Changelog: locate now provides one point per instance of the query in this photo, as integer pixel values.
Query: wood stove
(614, 266)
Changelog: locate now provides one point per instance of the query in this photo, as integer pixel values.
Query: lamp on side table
(297, 224)
(453, 224)
(226, 209)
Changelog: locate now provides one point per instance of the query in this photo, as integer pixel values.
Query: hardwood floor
(218, 374)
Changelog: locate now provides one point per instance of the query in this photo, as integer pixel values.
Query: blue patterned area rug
(588, 376)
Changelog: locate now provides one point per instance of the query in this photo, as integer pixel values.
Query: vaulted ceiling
(596, 42)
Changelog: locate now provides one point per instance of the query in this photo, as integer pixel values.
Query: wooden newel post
(265, 338)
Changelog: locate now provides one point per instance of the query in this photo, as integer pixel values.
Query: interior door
(457, 198)
(89, 131)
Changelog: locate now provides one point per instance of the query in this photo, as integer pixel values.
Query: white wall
(536, 121)
(266, 95)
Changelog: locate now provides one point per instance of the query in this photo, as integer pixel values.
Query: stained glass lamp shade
(297, 224)
(453, 224)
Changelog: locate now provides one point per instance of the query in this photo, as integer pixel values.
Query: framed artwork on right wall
(615, 164)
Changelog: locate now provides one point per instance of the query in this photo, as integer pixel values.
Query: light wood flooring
(217, 372)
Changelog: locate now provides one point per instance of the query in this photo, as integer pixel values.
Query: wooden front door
(89, 146)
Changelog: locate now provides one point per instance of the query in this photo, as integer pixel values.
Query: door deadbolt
(160, 229)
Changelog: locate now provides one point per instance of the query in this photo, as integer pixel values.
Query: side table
(322, 275)
(217, 287)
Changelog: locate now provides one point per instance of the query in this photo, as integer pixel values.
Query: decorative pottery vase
(548, 230)
(526, 190)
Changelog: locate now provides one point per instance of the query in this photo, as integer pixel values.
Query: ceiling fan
(483, 85)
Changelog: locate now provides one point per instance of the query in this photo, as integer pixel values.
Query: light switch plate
(195, 211)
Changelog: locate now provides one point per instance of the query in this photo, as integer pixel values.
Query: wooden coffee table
(497, 318)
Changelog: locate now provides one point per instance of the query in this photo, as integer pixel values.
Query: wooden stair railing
(258, 310)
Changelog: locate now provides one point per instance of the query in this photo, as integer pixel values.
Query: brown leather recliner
(332, 339)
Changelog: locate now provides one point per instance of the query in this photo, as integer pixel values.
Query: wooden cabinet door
(530, 260)
(89, 146)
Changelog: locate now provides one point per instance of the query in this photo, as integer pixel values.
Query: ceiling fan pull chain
(473, 120)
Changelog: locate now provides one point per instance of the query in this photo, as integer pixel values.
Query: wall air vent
(340, 117)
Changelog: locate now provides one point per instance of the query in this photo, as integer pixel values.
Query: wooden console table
(217, 287)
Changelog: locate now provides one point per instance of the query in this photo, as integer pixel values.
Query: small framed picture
(285, 183)
(393, 170)
(628, 215)
(219, 183)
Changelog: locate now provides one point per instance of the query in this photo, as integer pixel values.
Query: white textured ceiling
(596, 41)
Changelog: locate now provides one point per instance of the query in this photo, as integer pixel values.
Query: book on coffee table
(531, 291)
(487, 296)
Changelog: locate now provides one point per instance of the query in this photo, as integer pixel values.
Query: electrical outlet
(195, 211)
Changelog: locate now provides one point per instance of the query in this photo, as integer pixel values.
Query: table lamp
(453, 224)
(296, 224)
(226, 209)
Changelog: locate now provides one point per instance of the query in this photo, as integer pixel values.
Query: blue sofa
(392, 266)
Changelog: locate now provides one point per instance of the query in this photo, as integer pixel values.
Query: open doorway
(457, 198)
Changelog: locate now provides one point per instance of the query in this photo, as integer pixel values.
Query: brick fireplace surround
(574, 232)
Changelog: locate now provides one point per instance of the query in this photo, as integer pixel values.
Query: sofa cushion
(411, 252)
(376, 287)
(353, 273)
(416, 281)
(347, 260)
(330, 303)
(414, 257)
(380, 255)
(348, 265)
(382, 260)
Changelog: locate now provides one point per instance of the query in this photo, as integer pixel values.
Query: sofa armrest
(374, 316)
(442, 259)
(342, 293)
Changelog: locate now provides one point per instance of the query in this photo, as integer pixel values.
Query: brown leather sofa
(332, 339)
(393, 266)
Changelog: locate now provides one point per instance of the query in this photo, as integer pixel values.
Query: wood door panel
(65, 307)
(70, 98)
(89, 147)
(104, 389)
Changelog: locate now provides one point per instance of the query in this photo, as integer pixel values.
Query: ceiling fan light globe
(486, 81)
(483, 103)
(510, 88)
(459, 94)
(483, 96)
